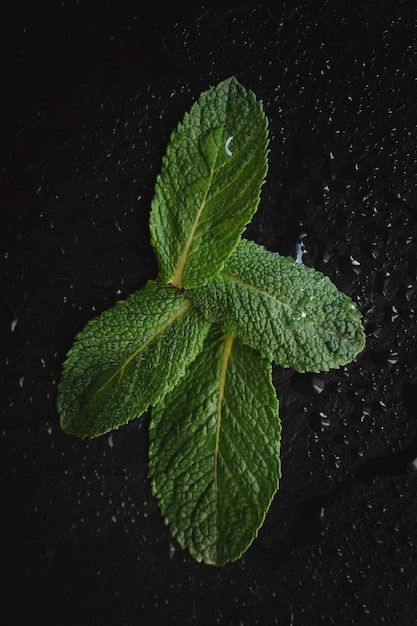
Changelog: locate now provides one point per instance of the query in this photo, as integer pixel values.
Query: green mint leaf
(209, 185)
(214, 450)
(127, 359)
(290, 313)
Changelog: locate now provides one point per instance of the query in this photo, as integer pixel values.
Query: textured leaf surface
(209, 185)
(214, 450)
(291, 313)
(127, 359)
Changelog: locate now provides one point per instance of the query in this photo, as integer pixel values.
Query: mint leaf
(290, 313)
(128, 358)
(214, 450)
(209, 185)
(215, 430)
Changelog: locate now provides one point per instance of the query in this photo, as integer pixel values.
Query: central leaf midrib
(187, 305)
(227, 349)
(177, 280)
(250, 287)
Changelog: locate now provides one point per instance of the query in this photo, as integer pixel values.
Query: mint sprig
(197, 344)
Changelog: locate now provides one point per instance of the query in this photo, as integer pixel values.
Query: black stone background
(92, 94)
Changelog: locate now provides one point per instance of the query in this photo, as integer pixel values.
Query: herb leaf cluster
(197, 344)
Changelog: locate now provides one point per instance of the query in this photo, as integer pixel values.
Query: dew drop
(319, 421)
(300, 251)
(171, 550)
(324, 420)
(308, 384)
(227, 146)
(393, 313)
(336, 461)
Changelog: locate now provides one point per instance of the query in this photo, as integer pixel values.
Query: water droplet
(324, 420)
(393, 313)
(349, 265)
(308, 384)
(384, 357)
(336, 460)
(171, 550)
(362, 411)
(317, 384)
(300, 251)
(13, 324)
(318, 421)
(227, 146)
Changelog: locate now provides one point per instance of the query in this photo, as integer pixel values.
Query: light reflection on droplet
(227, 146)
(300, 251)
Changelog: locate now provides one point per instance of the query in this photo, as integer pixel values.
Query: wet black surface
(91, 98)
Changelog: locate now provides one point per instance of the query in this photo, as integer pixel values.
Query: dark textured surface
(91, 97)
